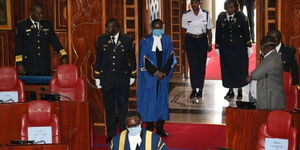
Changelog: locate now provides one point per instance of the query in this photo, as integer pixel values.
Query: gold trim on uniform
(122, 140)
(62, 52)
(27, 30)
(148, 140)
(97, 72)
(19, 58)
(133, 72)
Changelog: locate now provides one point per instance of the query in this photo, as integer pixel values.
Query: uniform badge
(109, 42)
(105, 45)
(46, 30)
(27, 30)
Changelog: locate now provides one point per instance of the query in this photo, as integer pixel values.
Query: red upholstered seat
(278, 125)
(67, 82)
(9, 82)
(291, 92)
(40, 115)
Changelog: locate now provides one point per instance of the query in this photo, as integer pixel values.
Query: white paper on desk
(11, 95)
(276, 144)
(40, 134)
(253, 89)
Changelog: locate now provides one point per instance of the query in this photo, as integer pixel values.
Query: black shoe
(240, 94)
(162, 133)
(193, 94)
(199, 94)
(230, 94)
(108, 140)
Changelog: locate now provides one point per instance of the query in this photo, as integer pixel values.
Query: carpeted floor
(185, 137)
(213, 70)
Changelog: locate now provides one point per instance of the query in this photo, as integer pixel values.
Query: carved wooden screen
(131, 26)
(176, 33)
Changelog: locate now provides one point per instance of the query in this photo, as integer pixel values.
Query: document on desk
(40, 134)
(11, 96)
(276, 144)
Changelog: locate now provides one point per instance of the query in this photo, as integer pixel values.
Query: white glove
(217, 51)
(97, 82)
(131, 81)
(250, 51)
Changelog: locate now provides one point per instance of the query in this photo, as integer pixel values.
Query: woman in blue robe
(156, 63)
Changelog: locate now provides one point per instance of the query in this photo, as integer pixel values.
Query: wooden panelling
(85, 24)
(60, 10)
(4, 49)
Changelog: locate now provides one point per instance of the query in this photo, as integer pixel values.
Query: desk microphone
(53, 96)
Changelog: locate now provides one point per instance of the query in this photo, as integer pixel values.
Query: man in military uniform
(115, 71)
(288, 55)
(197, 25)
(33, 37)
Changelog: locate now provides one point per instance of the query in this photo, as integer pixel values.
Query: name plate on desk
(40, 134)
(11, 96)
(276, 144)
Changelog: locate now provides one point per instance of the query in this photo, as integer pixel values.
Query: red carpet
(186, 136)
(213, 68)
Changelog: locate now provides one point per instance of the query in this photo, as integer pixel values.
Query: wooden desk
(73, 117)
(242, 127)
(35, 147)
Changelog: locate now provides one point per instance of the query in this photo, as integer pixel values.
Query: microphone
(6, 101)
(40, 142)
(54, 96)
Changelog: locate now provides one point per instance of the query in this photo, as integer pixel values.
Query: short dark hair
(155, 21)
(34, 5)
(276, 34)
(133, 114)
(112, 20)
(234, 2)
(268, 41)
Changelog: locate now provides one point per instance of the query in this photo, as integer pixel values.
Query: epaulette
(128, 35)
(187, 11)
(23, 20)
(204, 10)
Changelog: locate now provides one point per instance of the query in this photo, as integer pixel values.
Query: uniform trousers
(196, 49)
(116, 104)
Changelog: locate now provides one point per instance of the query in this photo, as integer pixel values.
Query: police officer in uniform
(197, 25)
(115, 71)
(33, 37)
(232, 40)
(288, 56)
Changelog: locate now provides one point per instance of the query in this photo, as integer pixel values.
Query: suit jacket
(32, 46)
(270, 93)
(288, 54)
(115, 63)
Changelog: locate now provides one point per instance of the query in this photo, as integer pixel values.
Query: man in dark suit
(287, 54)
(33, 37)
(115, 70)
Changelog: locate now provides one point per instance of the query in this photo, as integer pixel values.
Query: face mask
(133, 131)
(157, 32)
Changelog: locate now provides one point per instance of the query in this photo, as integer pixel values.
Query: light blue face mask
(133, 131)
(157, 32)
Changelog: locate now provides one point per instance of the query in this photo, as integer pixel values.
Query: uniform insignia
(32, 26)
(109, 42)
(105, 45)
(27, 30)
(187, 11)
(46, 29)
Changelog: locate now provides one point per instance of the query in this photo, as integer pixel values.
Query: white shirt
(269, 53)
(33, 22)
(196, 24)
(134, 140)
(228, 16)
(278, 47)
(116, 38)
(156, 43)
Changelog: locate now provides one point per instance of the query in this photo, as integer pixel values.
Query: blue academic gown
(152, 102)
(121, 142)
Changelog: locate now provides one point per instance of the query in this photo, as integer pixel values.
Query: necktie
(113, 40)
(36, 26)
